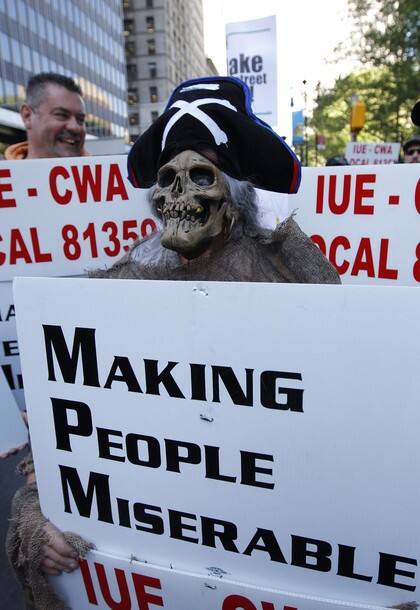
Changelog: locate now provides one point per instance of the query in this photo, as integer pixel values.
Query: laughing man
(54, 117)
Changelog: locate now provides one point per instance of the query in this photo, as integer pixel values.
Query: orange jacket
(19, 151)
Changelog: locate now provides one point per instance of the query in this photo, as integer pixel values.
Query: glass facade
(79, 38)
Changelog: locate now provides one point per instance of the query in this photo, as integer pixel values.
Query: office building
(164, 45)
(82, 39)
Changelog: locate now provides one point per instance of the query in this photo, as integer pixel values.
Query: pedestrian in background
(411, 149)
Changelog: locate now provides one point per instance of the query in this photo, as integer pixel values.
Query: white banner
(273, 208)
(61, 217)
(372, 153)
(9, 349)
(366, 220)
(251, 48)
(13, 432)
(106, 582)
(180, 425)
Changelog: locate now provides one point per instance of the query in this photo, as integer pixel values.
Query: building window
(128, 27)
(151, 46)
(153, 94)
(154, 115)
(133, 96)
(133, 118)
(149, 3)
(4, 47)
(152, 69)
(132, 71)
(130, 48)
(150, 24)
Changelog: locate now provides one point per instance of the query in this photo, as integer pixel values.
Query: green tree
(387, 35)
(331, 116)
(388, 31)
(386, 40)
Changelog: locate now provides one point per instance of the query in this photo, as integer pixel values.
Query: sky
(307, 33)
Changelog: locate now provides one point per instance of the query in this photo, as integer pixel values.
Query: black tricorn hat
(213, 115)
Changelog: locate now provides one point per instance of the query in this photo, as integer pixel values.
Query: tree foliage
(386, 40)
(388, 33)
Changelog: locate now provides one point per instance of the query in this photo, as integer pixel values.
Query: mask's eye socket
(202, 176)
(166, 177)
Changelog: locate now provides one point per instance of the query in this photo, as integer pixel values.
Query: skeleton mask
(191, 198)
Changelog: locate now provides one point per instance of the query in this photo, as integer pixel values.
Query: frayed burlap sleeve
(299, 259)
(24, 548)
(26, 466)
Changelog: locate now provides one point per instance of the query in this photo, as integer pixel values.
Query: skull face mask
(191, 198)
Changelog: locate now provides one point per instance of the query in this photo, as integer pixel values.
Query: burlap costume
(24, 540)
(252, 254)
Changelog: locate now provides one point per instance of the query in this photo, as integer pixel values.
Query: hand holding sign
(57, 555)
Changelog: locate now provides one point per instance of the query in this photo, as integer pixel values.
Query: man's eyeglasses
(412, 151)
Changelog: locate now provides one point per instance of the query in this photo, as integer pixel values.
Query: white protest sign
(372, 153)
(63, 216)
(9, 349)
(104, 581)
(273, 208)
(251, 56)
(366, 220)
(244, 426)
(13, 432)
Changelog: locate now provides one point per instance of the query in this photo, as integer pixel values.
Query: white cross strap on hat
(200, 87)
(192, 108)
